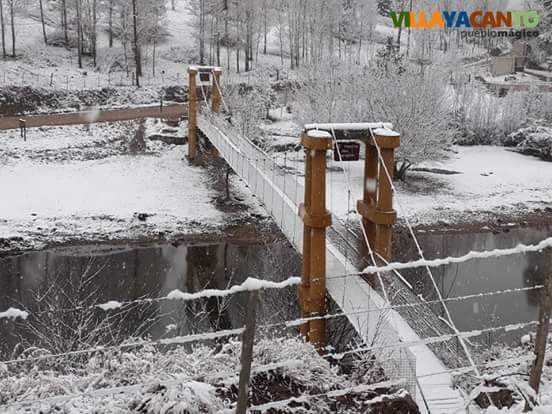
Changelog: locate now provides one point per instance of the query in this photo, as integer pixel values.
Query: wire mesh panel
(279, 191)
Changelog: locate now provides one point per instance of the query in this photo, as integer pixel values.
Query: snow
(14, 313)
(357, 126)
(318, 134)
(78, 182)
(115, 382)
(385, 132)
(111, 305)
(248, 285)
(525, 339)
(491, 179)
(519, 249)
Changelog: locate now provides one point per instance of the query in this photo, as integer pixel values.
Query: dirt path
(90, 117)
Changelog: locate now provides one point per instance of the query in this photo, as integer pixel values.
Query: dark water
(51, 281)
(486, 275)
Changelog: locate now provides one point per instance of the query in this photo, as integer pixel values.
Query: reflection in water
(48, 281)
(485, 275)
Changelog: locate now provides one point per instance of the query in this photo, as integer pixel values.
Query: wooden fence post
(541, 337)
(192, 114)
(246, 358)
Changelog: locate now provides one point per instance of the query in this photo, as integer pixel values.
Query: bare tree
(136, 44)
(3, 29)
(110, 22)
(79, 31)
(64, 22)
(11, 4)
(42, 21)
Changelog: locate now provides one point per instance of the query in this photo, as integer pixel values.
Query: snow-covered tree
(417, 104)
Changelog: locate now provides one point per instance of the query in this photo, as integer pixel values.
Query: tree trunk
(265, 27)
(110, 23)
(201, 32)
(399, 38)
(218, 46)
(136, 46)
(12, 23)
(94, 28)
(238, 41)
(281, 37)
(247, 40)
(64, 17)
(42, 21)
(3, 29)
(79, 33)
(226, 38)
(153, 57)
(542, 335)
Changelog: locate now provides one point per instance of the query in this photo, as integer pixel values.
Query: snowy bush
(483, 119)
(532, 140)
(177, 380)
(181, 54)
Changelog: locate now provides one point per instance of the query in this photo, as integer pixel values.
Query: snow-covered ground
(481, 181)
(98, 183)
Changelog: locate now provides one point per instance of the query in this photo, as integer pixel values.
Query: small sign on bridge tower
(347, 151)
(204, 76)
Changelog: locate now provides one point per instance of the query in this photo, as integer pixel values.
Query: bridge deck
(281, 193)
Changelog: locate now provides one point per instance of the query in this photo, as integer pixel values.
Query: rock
(142, 216)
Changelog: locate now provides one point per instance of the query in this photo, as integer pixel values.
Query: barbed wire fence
(399, 377)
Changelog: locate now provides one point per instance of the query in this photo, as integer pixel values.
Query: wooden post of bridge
(192, 114)
(376, 207)
(312, 293)
(215, 98)
(215, 94)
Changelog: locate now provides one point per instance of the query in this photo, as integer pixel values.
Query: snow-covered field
(481, 181)
(98, 183)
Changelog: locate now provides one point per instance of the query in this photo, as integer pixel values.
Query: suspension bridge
(303, 220)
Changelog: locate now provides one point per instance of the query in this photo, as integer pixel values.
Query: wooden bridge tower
(209, 76)
(376, 209)
(312, 293)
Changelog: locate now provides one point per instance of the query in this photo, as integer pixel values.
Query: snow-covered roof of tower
(384, 132)
(199, 68)
(316, 133)
(358, 126)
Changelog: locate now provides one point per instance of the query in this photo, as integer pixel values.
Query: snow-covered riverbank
(104, 183)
